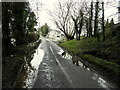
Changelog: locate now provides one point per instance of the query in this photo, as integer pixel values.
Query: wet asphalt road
(58, 72)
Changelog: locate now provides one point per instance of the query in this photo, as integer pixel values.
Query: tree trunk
(96, 19)
(103, 27)
(87, 27)
(80, 24)
(90, 20)
(98, 37)
(6, 37)
(75, 26)
(119, 11)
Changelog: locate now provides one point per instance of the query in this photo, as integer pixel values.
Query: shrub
(32, 37)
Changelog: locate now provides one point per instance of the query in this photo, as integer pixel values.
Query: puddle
(75, 60)
(65, 54)
(29, 71)
(103, 83)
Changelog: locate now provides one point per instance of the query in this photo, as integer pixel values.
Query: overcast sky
(50, 4)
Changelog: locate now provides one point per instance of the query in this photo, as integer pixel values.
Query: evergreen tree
(44, 29)
(107, 25)
(6, 20)
(31, 22)
(112, 22)
(14, 24)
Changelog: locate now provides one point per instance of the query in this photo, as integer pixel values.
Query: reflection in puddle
(88, 69)
(76, 61)
(30, 70)
(101, 81)
(65, 54)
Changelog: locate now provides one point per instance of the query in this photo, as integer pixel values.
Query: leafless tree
(62, 18)
(80, 11)
(114, 4)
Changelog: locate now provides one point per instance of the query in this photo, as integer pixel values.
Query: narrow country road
(55, 71)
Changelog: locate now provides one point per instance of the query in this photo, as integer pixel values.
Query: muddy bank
(29, 71)
(13, 64)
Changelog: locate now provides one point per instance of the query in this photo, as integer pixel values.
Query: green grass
(108, 65)
(80, 46)
(104, 55)
(107, 50)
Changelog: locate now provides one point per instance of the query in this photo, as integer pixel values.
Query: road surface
(55, 71)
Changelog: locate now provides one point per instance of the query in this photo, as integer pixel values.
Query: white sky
(44, 17)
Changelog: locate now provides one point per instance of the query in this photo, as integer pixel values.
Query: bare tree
(113, 4)
(80, 10)
(75, 18)
(78, 23)
(62, 18)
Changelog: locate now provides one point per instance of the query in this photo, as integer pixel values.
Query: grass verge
(104, 55)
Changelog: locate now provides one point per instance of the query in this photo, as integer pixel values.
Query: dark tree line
(89, 17)
(95, 24)
(17, 22)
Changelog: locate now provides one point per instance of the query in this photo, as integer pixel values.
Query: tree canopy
(44, 29)
(17, 22)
